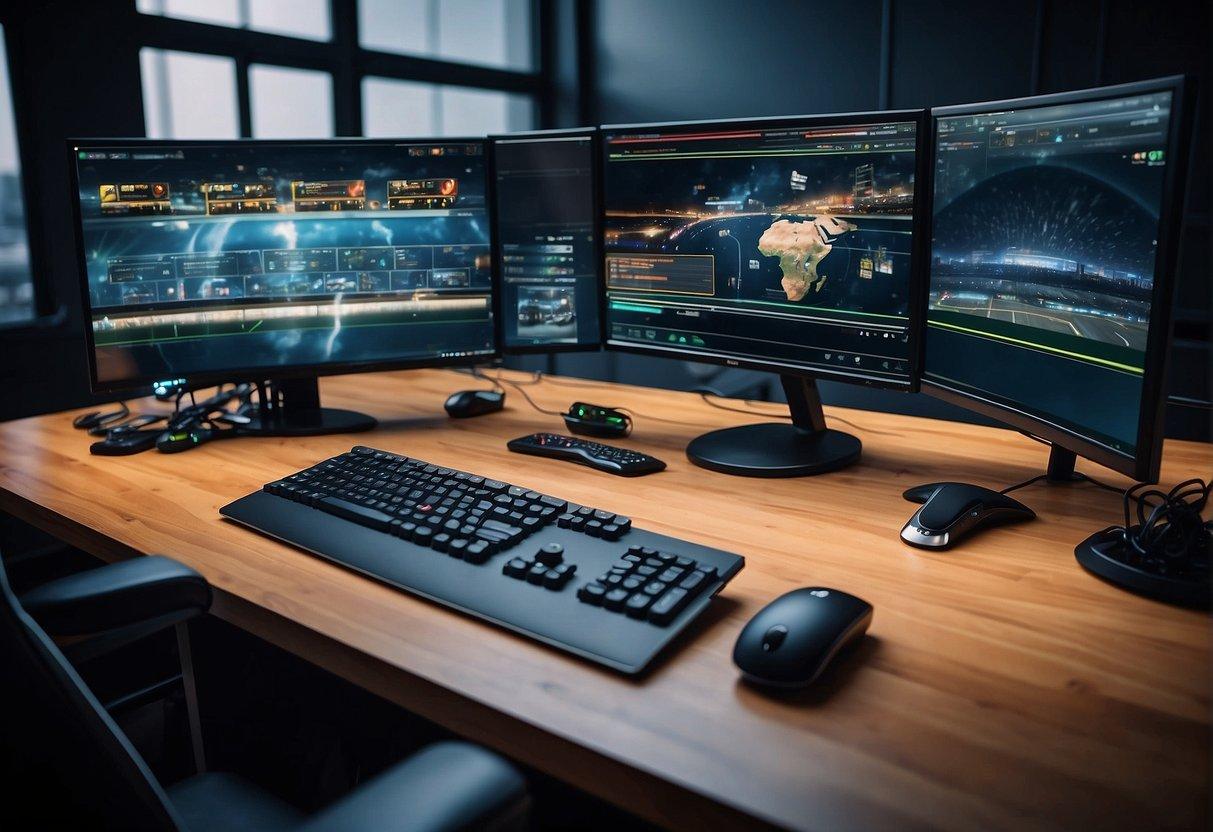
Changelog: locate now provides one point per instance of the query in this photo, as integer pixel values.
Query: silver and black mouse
(795, 637)
(953, 510)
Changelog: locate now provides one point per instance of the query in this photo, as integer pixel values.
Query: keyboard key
(369, 517)
(536, 573)
(515, 568)
(439, 541)
(457, 547)
(477, 552)
(592, 594)
(638, 605)
(666, 608)
(694, 582)
(615, 599)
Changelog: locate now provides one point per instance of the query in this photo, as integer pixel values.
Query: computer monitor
(784, 244)
(545, 240)
(1055, 223)
(212, 261)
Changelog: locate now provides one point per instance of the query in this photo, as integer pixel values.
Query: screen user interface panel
(1046, 223)
(782, 246)
(204, 258)
(545, 230)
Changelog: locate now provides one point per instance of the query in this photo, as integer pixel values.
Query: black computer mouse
(792, 639)
(468, 403)
(953, 510)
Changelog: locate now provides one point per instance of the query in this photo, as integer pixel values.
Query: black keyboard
(607, 458)
(575, 577)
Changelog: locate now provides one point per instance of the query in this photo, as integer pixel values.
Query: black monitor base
(801, 449)
(291, 407)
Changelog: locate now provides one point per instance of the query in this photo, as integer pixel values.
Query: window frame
(46, 312)
(349, 62)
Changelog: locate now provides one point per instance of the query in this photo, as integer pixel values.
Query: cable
(522, 391)
(1024, 484)
(1188, 401)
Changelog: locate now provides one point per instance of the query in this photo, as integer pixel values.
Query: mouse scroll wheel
(774, 637)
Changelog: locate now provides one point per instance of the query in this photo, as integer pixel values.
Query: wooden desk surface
(1001, 688)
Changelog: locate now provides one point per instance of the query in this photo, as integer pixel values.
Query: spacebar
(352, 511)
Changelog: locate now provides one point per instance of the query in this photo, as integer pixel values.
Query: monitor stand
(291, 407)
(775, 449)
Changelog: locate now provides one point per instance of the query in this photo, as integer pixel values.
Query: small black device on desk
(1165, 554)
(468, 403)
(795, 637)
(98, 418)
(126, 442)
(594, 420)
(581, 579)
(601, 457)
(953, 510)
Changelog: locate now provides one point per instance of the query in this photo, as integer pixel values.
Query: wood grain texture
(1002, 687)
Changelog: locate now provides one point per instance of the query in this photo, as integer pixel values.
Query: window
(188, 96)
(478, 76)
(297, 18)
(16, 282)
(407, 108)
(275, 93)
(487, 32)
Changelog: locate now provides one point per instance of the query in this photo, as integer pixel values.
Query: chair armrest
(118, 595)
(446, 787)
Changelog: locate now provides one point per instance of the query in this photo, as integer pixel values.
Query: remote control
(606, 458)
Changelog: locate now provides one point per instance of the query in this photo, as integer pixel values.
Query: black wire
(1188, 401)
(522, 391)
(1024, 484)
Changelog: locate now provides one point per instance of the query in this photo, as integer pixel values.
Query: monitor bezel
(1145, 464)
(917, 285)
(285, 371)
(595, 199)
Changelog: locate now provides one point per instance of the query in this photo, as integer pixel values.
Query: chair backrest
(63, 760)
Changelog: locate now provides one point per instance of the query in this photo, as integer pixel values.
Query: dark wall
(687, 59)
(75, 73)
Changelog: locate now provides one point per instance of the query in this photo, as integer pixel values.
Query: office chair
(65, 763)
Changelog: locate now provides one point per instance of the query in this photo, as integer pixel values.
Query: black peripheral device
(719, 246)
(791, 641)
(595, 420)
(133, 423)
(468, 403)
(99, 418)
(574, 577)
(125, 443)
(952, 511)
(608, 458)
(1165, 554)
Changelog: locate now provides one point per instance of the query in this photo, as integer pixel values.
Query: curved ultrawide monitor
(783, 244)
(245, 260)
(1054, 223)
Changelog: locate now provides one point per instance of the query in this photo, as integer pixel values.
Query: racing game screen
(1042, 260)
(780, 246)
(545, 231)
(242, 255)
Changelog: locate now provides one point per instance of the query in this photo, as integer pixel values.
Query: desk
(1001, 688)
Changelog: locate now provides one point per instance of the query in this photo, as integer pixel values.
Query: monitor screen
(233, 259)
(546, 251)
(1042, 264)
(777, 245)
